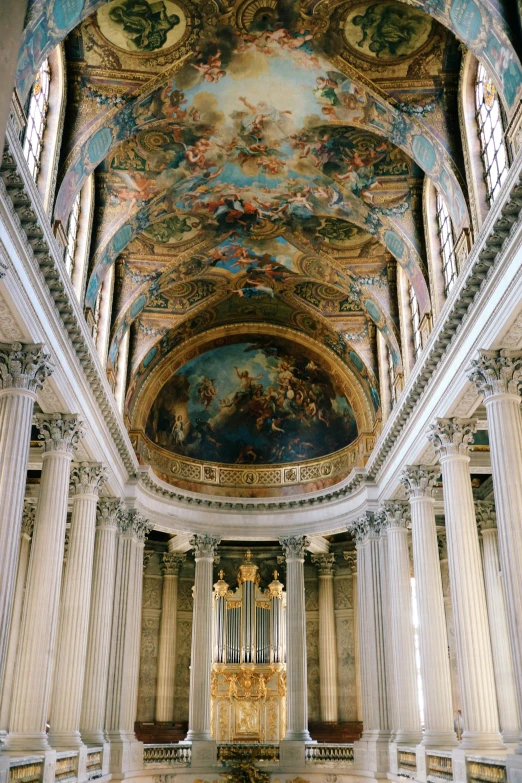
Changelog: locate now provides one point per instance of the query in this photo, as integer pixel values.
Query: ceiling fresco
(258, 171)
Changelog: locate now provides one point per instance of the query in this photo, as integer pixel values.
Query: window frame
(447, 245)
(73, 226)
(415, 321)
(392, 378)
(490, 128)
(37, 119)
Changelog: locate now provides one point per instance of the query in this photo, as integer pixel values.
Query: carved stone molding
(513, 338)
(108, 512)
(59, 431)
(486, 515)
(325, 562)
(88, 478)
(172, 563)
(451, 437)
(205, 546)
(23, 366)
(497, 372)
(9, 328)
(351, 558)
(419, 480)
(294, 546)
(132, 523)
(28, 519)
(394, 514)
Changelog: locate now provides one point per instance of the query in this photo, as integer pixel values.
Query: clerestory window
(36, 119)
(447, 245)
(491, 133)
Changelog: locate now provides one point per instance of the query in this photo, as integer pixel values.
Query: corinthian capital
(367, 526)
(294, 546)
(204, 545)
(88, 478)
(23, 366)
(419, 480)
(497, 372)
(351, 558)
(108, 512)
(172, 563)
(486, 515)
(394, 514)
(325, 563)
(59, 431)
(28, 519)
(132, 523)
(450, 437)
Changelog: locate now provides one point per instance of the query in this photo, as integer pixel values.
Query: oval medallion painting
(142, 26)
(386, 31)
(259, 401)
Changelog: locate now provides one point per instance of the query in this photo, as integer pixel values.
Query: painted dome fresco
(256, 171)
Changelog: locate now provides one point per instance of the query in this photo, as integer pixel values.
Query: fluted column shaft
(474, 659)
(16, 619)
(362, 605)
(33, 678)
(94, 702)
(201, 653)
(167, 639)
(22, 372)
(433, 642)
(122, 696)
(327, 640)
(404, 678)
(352, 560)
(498, 374)
(502, 661)
(296, 670)
(87, 480)
(385, 609)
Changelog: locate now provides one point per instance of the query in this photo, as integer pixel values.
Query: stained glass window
(447, 245)
(491, 133)
(36, 119)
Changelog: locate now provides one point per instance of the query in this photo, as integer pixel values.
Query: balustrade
(407, 762)
(486, 770)
(167, 755)
(322, 753)
(66, 767)
(248, 751)
(26, 770)
(439, 766)
(94, 763)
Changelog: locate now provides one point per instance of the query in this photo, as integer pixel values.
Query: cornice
(19, 193)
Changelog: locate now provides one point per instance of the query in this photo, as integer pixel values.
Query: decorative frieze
(24, 366)
(59, 431)
(452, 436)
(497, 372)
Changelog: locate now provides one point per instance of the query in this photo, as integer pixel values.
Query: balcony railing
(407, 762)
(167, 755)
(322, 753)
(66, 767)
(26, 770)
(482, 769)
(246, 751)
(94, 763)
(440, 766)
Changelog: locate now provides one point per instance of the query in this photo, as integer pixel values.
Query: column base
(16, 742)
(66, 740)
(93, 738)
(126, 752)
(198, 736)
(509, 737)
(481, 741)
(204, 753)
(298, 736)
(439, 739)
(403, 737)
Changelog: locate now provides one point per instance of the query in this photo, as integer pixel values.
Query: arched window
(415, 321)
(37, 118)
(447, 245)
(72, 235)
(491, 133)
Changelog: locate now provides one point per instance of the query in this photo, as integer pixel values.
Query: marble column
(433, 643)
(94, 701)
(201, 654)
(367, 530)
(122, 690)
(351, 557)
(450, 625)
(498, 626)
(34, 671)
(451, 438)
(87, 480)
(172, 563)
(16, 618)
(498, 375)
(325, 563)
(296, 676)
(385, 610)
(404, 676)
(23, 369)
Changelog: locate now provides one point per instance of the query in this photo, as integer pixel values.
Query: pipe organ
(249, 671)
